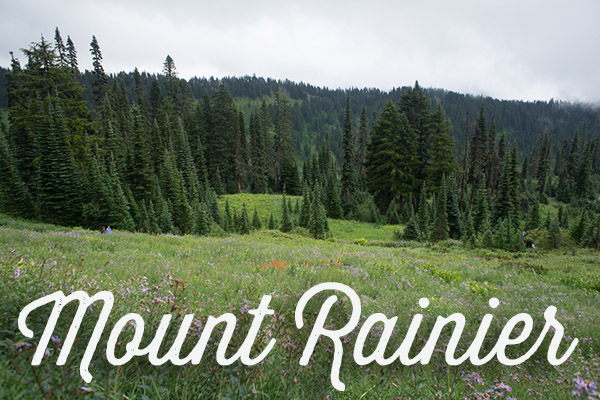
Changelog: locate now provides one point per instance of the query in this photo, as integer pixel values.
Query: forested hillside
(317, 112)
(153, 152)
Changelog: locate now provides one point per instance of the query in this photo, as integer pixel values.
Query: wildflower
(20, 345)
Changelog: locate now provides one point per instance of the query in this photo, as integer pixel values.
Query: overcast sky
(510, 49)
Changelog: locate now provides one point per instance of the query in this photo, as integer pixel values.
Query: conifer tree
(469, 234)
(258, 174)
(283, 147)
(423, 214)
(440, 229)
(361, 151)
(227, 218)
(256, 224)
(334, 203)
(391, 160)
(271, 222)
(534, 219)
(72, 57)
(481, 210)
(244, 224)
(15, 199)
(304, 219)
(391, 215)
(411, 231)
(286, 221)
(318, 227)
(201, 224)
(579, 229)
(100, 86)
(443, 159)
(348, 178)
(453, 211)
(478, 151)
(414, 105)
(60, 188)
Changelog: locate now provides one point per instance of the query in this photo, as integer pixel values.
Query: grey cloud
(507, 49)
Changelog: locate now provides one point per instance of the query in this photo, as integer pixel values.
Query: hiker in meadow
(108, 230)
(102, 230)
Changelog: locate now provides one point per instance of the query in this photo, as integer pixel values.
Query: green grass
(153, 275)
(265, 204)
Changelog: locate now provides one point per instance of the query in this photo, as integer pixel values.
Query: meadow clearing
(157, 274)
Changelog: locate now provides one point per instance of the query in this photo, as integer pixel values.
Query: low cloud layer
(506, 49)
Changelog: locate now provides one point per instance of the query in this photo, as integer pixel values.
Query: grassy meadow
(154, 275)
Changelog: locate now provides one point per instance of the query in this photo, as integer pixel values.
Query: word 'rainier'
(134, 348)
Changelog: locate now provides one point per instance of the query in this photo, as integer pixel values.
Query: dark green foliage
(423, 214)
(244, 226)
(414, 105)
(391, 158)
(272, 224)
(256, 224)
(534, 219)
(454, 217)
(228, 218)
(481, 210)
(443, 159)
(439, 227)
(201, 223)
(411, 230)
(478, 151)
(469, 234)
(579, 228)
(304, 219)
(286, 220)
(15, 199)
(334, 203)
(348, 178)
(60, 186)
(318, 226)
(391, 214)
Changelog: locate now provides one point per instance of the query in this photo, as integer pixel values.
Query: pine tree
(60, 191)
(228, 218)
(318, 227)
(443, 159)
(244, 223)
(453, 211)
(361, 151)
(306, 208)
(15, 199)
(256, 224)
(579, 229)
(286, 221)
(543, 164)
(478, 151)
(481, 210)
(415, 107)
(469, 234)
(411, 231)
(100, 86)
(348, 177)
(423, 214)
(258, 173)
(440, 229)
(283, 147)
(201, 224)
(391, 214)
(334, 203)
(391, 160)
(534, 219)
(271, 222)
